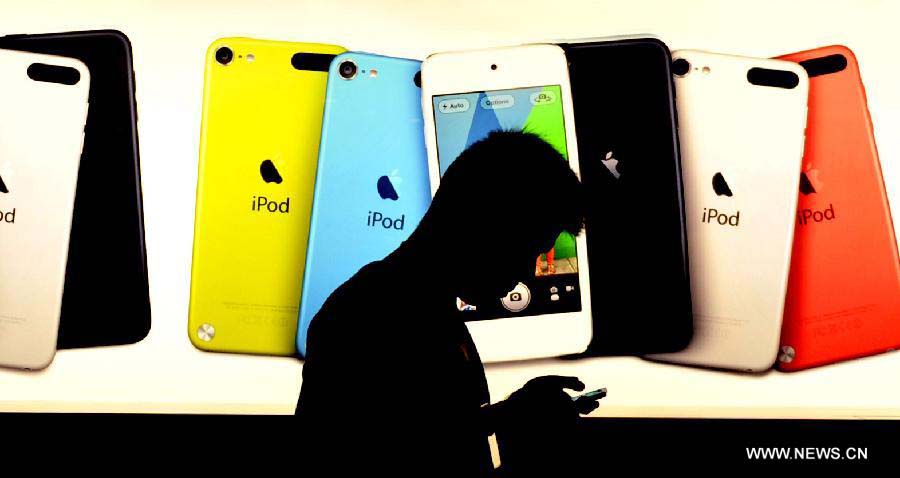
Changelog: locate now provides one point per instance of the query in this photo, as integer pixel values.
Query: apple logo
(720, 186)
(3, 188)
(386, 186)
(269, 172)
(809, 181)
(612, 164)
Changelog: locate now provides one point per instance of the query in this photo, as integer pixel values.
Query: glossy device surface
(372, 184)
(630, 164)
(41, 133)
(466, 95)
(259, 144)
(843, 297)
(107, 258)
(741, 126)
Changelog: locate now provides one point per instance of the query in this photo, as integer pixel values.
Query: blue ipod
(372, 185)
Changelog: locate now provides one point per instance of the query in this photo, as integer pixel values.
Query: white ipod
(465, 96)
(44, 107)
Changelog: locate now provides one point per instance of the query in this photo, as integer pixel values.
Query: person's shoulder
(367, 282)
(352, 313)
(367, 277)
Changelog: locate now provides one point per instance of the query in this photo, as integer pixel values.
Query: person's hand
(537, 426)
(542, 402)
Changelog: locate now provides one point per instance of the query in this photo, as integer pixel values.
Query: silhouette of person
(392, 380)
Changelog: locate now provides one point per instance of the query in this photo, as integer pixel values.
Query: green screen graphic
(463, 119)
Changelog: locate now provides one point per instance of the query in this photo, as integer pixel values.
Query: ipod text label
(8, 217)
(385, 222)
(263, 203)
(721, 217)
(804, 215)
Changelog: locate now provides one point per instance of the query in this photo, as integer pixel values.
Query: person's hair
(512, 177)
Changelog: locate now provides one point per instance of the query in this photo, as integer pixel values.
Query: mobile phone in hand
(592, 395)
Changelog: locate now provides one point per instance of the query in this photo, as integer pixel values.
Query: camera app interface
(462, 119)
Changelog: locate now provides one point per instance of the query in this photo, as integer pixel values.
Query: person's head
(500, 204)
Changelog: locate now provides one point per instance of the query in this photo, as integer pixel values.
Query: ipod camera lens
(224, 55)
(681, 67)
(347, 69)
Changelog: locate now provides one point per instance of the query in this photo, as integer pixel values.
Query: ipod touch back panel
(372, 184)
(45, 103)
(741, 130)
(630, 164)
(107, 258)
(262, 117)
(843, 296)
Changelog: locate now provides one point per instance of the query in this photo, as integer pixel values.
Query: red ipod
(843, 297)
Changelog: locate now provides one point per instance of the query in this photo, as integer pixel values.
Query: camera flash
(373, 73)
(705, 69)
(250, 57)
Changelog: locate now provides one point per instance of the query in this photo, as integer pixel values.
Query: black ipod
(628, 150)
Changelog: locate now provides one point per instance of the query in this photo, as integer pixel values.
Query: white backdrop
(165, 373)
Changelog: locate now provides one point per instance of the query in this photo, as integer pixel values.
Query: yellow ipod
(259, 142)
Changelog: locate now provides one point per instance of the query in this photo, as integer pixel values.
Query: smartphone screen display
(465, 118)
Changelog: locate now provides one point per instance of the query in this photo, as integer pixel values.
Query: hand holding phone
(589, 401)
(543, 401)
(594, 395)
